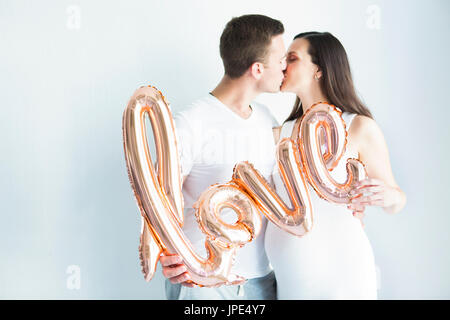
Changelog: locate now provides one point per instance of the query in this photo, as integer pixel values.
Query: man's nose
(284, 64)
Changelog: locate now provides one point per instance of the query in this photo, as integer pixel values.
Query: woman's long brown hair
(336, 82)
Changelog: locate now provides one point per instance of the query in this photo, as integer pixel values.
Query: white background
(68, 68)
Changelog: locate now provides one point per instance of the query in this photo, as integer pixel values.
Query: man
(216, 132)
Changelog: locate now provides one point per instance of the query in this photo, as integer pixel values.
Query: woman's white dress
(334, 260)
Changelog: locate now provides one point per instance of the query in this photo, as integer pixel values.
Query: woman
(335, 259)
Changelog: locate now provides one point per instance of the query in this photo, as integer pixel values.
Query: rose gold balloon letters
(315, 147)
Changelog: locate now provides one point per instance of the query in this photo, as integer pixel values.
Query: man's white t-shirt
(211, 140)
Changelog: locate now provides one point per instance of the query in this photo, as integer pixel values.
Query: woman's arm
(380, 189)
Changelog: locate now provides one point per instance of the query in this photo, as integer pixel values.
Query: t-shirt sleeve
(185, 143)
(274, 120)
(286, 129)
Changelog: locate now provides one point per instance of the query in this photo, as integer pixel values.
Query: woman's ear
(318, 74)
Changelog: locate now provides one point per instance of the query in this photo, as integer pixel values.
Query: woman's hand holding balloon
(380, 188)
(374, 192)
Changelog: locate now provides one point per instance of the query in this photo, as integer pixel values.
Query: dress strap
(286, 129)
(348, 118)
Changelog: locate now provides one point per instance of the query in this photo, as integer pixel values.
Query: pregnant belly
(333, 261)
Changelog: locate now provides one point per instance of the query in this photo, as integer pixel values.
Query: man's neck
(236, 94)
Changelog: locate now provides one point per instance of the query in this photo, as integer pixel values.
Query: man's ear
(256, 70)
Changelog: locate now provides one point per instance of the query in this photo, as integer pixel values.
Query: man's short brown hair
(246, 40)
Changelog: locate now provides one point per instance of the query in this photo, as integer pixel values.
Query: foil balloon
(159, 197)
(298, 219)
(322, 138)
(219, 233)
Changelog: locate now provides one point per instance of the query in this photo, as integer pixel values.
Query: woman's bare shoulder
(365, 129)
